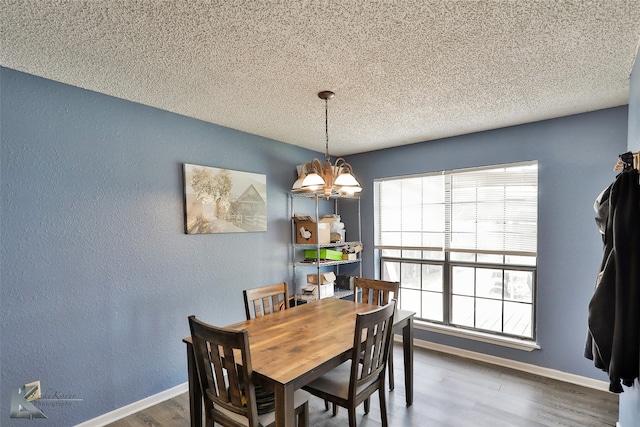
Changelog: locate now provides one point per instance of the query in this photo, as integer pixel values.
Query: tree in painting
(214, 190)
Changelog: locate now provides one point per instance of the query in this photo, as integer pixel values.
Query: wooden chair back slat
(266, 299)
(376, 292)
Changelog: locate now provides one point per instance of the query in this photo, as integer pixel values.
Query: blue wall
(575, 155)
(97, 277)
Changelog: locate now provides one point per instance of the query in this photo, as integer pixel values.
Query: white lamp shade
(312, 180)
(297, 186)
(346, 180)
(350, 189)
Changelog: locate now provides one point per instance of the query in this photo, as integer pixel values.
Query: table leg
(195, 397)
(407, 346)
(284, 406)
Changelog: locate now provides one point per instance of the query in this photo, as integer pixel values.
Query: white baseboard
(508, 363)
(134, 407)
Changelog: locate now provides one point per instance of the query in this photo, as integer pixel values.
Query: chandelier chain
(326, 128)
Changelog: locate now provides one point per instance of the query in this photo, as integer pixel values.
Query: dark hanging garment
(614, 311)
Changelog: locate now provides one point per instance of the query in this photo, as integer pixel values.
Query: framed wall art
(223, 200)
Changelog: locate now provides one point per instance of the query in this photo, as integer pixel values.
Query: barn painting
(221, 200)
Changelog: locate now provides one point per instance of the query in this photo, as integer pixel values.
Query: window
(463, 246)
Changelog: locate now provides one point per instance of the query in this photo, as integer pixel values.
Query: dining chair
(266, 299)
(378, 292)
(223, 362)
(354, 381)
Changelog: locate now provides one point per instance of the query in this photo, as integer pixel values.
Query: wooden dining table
(292, 347)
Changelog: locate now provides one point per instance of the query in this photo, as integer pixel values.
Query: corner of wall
(633, 141)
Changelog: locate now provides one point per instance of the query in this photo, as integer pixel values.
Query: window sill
(518, 344)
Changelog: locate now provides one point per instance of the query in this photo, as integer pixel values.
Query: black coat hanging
(614, 311)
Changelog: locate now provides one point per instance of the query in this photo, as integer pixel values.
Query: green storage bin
(327, 254)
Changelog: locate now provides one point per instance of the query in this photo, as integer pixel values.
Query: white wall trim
(519, 344)
(134, 407)
(508, 363)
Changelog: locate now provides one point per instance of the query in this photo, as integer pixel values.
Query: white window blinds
(483, 210)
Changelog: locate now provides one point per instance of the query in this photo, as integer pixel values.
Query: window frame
(447, 264)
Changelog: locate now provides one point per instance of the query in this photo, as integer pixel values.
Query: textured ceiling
(403, 71)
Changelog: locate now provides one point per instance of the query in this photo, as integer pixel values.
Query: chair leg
(326, 405)
(367, 405)
(383, 407)
(335, 409)
(390, 363)
(303, 416)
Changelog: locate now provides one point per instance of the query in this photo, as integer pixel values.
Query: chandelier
(326, 179)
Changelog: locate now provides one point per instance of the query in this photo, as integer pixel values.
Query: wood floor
(449, 392)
